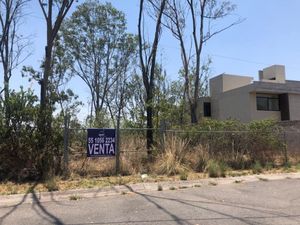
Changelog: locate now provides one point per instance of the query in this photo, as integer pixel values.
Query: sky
(269, 35)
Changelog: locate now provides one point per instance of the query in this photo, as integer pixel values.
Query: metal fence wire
(236, 148)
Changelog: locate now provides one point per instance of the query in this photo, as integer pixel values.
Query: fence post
(285, 149)
(66, 145)
(118, 146)
(162, 135)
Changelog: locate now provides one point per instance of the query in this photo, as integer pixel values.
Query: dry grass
(8, 188)
(77, 182)
(133, 155)
(198, 157)
(92, 167)
(172, 161)
(11, 188)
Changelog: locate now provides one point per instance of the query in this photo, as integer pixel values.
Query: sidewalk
(11, 200)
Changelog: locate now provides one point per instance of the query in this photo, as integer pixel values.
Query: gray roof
(292, 87)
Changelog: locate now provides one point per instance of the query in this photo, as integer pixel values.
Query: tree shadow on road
(43, 212)
(14, 208)
(36, 206)
(245, 219)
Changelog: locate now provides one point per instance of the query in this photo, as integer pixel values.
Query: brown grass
(173, 160)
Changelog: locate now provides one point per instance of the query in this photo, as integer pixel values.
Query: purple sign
(101, 142)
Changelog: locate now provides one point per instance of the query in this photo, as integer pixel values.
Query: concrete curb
(38, 197)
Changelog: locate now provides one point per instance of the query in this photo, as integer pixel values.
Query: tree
(96, 40)
(12, 43)
(119, 94)
(54, 12)
(135, 106)
(203, 15)
(147, 56)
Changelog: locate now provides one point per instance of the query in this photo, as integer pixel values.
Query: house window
(207, 109)
(267, 103)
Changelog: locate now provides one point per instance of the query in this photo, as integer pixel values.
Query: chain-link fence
(238, 149)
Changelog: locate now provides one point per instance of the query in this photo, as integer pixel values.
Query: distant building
(241, 98)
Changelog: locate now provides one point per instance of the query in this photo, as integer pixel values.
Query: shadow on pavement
(37, 207)
(266, 214)
(43, 213)
(14, 208)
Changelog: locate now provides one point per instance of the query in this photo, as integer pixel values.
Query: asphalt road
(262, 202)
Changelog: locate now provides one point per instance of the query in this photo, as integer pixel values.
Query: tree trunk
(45, 118)
(194, 116)
(149, 134)
(6, 96)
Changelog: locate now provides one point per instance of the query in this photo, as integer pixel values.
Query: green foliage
(287, 165)
(183, 175)
(18, 155)
(159, 187)
(216, 169)
(100, 52)
(257, 167)
(236, 143)
(51, 185)
(269, 165)
(75, 197)
(19, 139)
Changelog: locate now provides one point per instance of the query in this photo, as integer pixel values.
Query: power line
(237, 58)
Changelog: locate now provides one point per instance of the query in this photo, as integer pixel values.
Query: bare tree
(147, 55)
(12, 43)
(204, 15)
(54, 12)
(53, 22)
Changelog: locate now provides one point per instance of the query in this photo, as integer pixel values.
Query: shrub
(51, 185)
(18, 136)
(75, 197)
(216, 169)
(257, 167)
(159, 187)
(266, 141)
(183, 175)
(198, 158)
(235, 143)
(298, 166)
(269, 165)
(287, 164)
(172, 161)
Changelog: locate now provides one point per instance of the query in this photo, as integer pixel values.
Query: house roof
(292, 87)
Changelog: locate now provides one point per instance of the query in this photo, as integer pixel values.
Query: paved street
(260, 202)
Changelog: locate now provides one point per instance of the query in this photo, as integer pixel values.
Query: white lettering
(102, 149)
(112, 150)
(91, 149)
(106, 148)
(96, 149)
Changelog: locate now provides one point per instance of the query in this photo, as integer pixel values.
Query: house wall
(200, 109)
(234, 104)
(241, 105)
(294, 102)
(226, 82)
(275, 71)
(228, 99)
(231, 82)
